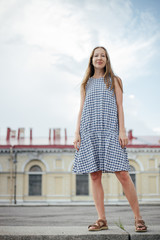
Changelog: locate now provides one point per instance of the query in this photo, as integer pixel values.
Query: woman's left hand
(123, 139)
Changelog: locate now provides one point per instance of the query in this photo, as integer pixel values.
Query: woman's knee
(96, 175)
(122, 175)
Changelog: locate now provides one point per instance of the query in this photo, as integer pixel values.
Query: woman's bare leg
(98, 194)
(130, 192)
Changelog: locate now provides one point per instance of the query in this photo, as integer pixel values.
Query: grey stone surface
(73, 215)
(153, 233)
(78, 232)
(71, 222)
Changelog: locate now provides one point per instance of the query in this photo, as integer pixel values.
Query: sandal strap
(140, 223)
(98, 223)
(93, 225)
(103, 221)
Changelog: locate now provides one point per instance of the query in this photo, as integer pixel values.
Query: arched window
(82, 184)
(35, 181)
(132, 174)
(35, 168)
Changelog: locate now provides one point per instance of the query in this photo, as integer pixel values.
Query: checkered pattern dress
(99, 130)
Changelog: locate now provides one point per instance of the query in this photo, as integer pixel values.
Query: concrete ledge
(59, 233)
(153, 233)
(76, 232)
(76, 203)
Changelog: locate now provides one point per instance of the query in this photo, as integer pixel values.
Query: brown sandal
(98, 227)
(139, 223)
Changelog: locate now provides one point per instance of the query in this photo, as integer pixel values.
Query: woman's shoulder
(118, 80)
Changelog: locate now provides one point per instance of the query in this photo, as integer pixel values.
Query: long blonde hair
(108, 73)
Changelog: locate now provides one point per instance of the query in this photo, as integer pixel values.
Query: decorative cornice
(70, 149)
(38, 150)
(143, 150)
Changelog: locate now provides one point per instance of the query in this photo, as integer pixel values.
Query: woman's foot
(100, 224)
(140, 225)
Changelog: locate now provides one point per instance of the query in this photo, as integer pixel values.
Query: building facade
(34, 173)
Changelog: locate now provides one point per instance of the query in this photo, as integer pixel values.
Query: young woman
(100, 137)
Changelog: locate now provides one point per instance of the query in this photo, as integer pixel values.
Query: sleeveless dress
(99, 131)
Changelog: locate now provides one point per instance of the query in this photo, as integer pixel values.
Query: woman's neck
(98, 73)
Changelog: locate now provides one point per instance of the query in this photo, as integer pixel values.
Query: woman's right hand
(77, 141)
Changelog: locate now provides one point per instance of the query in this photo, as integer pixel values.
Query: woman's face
(99, 58)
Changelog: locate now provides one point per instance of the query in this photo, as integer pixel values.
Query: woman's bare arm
(123, 139)
(82, 99)
(119, 100)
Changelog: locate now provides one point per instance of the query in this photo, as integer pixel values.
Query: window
(133, 175)
(82, 184)
(35, 181)
(35, 168)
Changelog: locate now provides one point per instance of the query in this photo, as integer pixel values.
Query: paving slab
(60, 233)
(77, 233)
(153, 233)
(70, 222)
(73, 215)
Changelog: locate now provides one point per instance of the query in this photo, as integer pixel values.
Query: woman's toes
(141, 228)
(92, 228)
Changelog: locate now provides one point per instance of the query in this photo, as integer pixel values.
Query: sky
(44, 52)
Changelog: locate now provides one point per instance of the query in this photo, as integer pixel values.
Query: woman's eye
(101, 56)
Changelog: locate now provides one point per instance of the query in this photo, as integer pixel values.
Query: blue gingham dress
(99, 131)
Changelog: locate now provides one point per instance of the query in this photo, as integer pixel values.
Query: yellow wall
(59, 184)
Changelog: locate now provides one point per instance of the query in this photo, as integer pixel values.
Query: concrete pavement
(71, 222)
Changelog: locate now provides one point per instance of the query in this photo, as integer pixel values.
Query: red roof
(41, 142)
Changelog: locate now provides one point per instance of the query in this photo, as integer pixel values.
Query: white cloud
(45, 49)
(156, 130)
(132, 96)
(59, 27)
